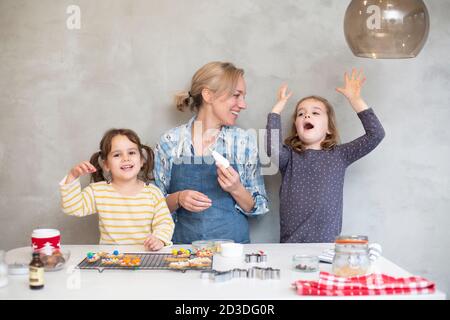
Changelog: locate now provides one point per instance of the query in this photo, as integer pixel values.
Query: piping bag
(220, 159)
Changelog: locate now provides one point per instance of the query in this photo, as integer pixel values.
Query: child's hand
(79, 170)
(352, 89)
(283, 97)
(152, 243)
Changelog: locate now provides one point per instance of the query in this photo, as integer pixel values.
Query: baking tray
(149, 261)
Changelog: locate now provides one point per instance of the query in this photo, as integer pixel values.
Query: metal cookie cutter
(264, 273)
(256, 257)
(217, 276)
(252, 273)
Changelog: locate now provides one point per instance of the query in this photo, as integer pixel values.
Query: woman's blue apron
(220, 221)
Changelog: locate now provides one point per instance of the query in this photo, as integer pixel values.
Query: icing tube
(220, 159)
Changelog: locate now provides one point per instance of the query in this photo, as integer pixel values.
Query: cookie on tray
(115, 255)
(130, 261)
(92, 257)
(200, 262)
(179, 265)
(204, 253)
(110, 261)
(181, 253)
(103, 254)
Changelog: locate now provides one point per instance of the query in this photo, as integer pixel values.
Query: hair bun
(182, 100)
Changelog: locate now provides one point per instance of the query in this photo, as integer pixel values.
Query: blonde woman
(209, 200)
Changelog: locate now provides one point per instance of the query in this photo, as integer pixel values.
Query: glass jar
(218, 244)
(351, 257)
(203, 245)
(3, 270)
(305, 263)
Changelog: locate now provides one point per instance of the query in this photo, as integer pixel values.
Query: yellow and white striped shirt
(122, 219)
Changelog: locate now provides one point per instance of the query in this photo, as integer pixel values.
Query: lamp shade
(386, 29)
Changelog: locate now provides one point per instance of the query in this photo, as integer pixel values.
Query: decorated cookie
(181, 253)
(130, 261)
(92, 257)
(103, 254)
(179, 265)
(204, 253)
(115, 255)
(200, 262)
(110, 261)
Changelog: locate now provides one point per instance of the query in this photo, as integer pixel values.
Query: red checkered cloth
(374, 284)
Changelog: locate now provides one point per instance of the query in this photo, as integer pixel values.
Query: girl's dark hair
(146, 173)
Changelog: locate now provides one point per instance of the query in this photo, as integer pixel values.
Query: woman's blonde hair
(331, 139)
(219, 77)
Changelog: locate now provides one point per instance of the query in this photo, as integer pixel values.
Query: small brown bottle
(36, 272)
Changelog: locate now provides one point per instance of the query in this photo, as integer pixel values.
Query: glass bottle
(3, 270)
(305, 263)
(36, 272)
(351, 257)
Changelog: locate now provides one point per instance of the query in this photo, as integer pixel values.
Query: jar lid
(356, 239)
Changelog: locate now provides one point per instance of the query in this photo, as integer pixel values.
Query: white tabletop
(72, 283)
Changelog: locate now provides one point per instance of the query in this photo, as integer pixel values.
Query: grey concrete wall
(61, 89)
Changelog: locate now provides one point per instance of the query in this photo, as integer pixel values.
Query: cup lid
(45, 233)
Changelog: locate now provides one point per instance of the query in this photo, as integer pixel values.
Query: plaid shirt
(374, 284)
(239, 146)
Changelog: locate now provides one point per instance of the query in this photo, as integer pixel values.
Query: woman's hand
(79, 170)
(352, 89)
(229, 179)
(193, 201)
(152, 243)
(283, 97)
(230, 182)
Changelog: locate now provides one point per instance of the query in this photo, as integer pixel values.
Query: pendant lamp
(386, 29)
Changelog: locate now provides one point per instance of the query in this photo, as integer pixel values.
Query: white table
(71, 283)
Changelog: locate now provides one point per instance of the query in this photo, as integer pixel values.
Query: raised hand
(81, 169)
(282, 96)
(352, 85)
(352, 89)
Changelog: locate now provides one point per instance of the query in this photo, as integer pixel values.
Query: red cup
(45, 239)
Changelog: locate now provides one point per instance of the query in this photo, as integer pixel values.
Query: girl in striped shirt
(131, 210)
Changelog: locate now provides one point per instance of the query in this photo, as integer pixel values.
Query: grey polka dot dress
(311, 192)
